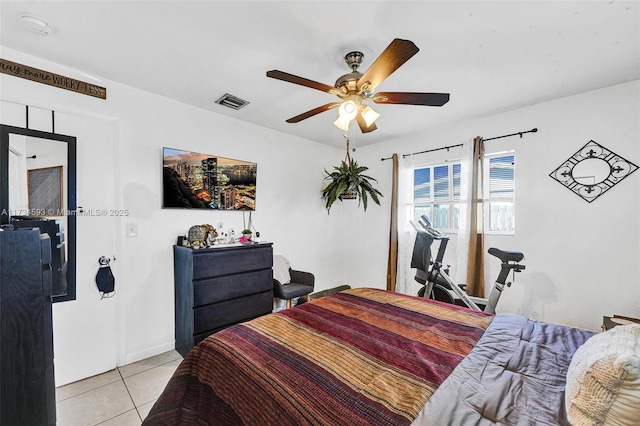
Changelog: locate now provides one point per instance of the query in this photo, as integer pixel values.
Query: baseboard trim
(147, 353)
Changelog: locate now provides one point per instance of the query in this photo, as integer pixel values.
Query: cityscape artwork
(200, 181)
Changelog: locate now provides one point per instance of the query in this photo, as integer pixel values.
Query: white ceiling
(491, 56)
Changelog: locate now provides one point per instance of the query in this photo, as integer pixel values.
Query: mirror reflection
(591, 171)
(38, 190)
(37, 180)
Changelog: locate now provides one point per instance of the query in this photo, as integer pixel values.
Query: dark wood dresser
(218, 287)
(54, 229)
(27, 385)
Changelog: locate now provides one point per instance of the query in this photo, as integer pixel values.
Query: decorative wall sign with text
(592, 171)
(51, 79)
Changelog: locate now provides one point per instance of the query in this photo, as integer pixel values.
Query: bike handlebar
(426, 225)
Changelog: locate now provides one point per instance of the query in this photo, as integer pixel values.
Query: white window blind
(501, 186)
(436, 194)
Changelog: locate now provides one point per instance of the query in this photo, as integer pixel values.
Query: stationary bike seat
(506, 256)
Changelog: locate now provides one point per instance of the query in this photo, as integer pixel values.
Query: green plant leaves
(348, 175)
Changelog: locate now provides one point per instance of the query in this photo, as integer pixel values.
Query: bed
(373, 357)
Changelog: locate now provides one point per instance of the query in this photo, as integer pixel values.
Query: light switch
(132, 230)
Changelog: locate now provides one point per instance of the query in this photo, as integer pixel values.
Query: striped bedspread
(360, 357)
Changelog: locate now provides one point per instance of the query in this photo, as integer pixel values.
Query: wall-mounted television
(193, 180)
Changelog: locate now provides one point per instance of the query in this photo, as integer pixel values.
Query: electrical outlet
(220, 225)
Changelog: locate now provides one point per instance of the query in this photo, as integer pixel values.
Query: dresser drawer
(217, 289)
(218, 315)
(215, 262)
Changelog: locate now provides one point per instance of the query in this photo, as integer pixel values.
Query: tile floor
(120, 397)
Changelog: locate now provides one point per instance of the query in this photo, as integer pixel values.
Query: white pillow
(281, 269)
(603, 379)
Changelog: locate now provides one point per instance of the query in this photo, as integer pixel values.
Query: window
(436, 194)
(500, 193)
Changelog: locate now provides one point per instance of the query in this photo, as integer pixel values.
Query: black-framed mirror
(592, 171)
(33, 200)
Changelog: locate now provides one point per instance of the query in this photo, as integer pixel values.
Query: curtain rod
(534, 130)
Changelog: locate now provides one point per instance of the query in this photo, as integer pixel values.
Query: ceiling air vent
(231, 101)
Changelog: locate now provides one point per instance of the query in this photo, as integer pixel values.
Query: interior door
(87, 330)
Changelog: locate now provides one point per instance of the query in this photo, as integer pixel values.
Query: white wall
(120, 144)
(582, 259)
(287, 201)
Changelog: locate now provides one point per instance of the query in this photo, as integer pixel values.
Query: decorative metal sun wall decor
(592, 171)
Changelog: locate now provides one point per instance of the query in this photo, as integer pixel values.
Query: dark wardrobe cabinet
(27, 388)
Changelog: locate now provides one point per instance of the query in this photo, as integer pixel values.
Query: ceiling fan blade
(396, 54)
(363, 124)
(313, 112)
(411, 98)
(281, 75)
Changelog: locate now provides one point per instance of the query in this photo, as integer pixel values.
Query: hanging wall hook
(104, 278)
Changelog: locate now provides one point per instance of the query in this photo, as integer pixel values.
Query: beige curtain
(475, 265)
(392, 265)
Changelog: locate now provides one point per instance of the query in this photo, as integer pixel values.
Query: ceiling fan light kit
(341, 124)
(351, 109)
(348, 110)
(354, 88)
(370, 115)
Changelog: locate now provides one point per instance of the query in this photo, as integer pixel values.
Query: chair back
(281, 267)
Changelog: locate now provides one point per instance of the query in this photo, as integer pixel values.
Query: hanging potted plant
(347, 181)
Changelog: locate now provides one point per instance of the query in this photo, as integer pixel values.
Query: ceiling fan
(354, 88)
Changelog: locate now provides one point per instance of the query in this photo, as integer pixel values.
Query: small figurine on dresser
(201, 236)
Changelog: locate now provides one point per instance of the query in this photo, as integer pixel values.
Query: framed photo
(193, 180)
(45, 191)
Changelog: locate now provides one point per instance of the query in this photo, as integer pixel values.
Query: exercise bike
(438, 283)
